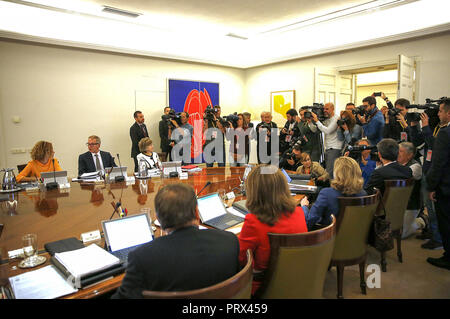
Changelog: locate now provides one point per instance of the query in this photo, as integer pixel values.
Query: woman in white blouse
(151, 158)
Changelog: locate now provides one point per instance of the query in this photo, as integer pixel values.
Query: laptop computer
(241, 206)
(126, 234)
(59, 176)
(294, 180)
(298, 186)
(213, 213)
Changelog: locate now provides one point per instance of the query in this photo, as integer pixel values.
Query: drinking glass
(32, 259)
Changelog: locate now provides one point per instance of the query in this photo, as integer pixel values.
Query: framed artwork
(280, 102)
(193, 97)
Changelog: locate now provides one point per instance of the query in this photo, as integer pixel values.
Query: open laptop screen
(210, 206)
(127, 232)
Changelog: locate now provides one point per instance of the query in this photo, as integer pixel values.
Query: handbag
(380, 235)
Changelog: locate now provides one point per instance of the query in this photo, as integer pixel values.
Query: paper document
(44, 283)
(84, 261)
(236, 230)
(235, 212)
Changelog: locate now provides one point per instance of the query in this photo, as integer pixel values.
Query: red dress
(253, 236)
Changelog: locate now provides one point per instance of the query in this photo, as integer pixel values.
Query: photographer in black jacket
(211, 122)
(289, 131)
(290, 160)
(264, 130)
(164, 134)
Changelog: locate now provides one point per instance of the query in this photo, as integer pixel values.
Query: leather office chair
(237, 287)
(395, 200)
(353, 226)
(21, 167)
(298, 264)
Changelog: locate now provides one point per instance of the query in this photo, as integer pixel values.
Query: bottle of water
(142, 168)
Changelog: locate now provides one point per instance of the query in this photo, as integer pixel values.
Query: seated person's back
(272, 210)
(388, 153)
(347, 181)
(185, 259)
(42, 161)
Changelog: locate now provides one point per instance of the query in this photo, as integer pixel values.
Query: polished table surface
(59, 214)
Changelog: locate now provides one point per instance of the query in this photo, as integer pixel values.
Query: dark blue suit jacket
(86, 162)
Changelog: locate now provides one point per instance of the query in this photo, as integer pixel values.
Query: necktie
(97, 163)
(144, 130)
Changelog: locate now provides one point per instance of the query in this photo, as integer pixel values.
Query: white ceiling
(197, 30)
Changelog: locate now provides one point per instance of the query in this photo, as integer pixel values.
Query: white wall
(433, 70)
(64, 95)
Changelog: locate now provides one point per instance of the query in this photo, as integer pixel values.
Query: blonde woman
(347, 181)
(313, 168)
(147, 154)
(272, 210)
(42, 161)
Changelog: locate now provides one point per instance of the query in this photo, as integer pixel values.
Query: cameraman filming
(289, 131)
(291, 160)
(372, 122)
(211, 120)
(310, 135)
(329, 127)
(396, 124)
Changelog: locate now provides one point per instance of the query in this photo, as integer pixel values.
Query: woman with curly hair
(42, 161)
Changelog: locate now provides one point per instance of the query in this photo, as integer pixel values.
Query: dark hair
(402, 102)
(388, 149)
(297, 147)
(350, 103)
(166, 107)
(446, 103)
(135, 114)
(175, 205)
(292, 112)
(370, 99)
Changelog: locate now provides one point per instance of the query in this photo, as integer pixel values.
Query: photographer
(164, 134)
(310, 135)
(364, 158)
(211, 120)
(265, 127)
(289, 131)
(372, 122)
(329, 127)
(238, 134)
(181, 136)
(291, 160)
(396, 123)
(348, 130)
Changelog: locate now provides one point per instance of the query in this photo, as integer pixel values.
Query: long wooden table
(57, 214)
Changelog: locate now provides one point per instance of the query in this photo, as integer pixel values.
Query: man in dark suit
(94, 159)
(137, 132)
(438, 184)
(186, 258)
(388, 154)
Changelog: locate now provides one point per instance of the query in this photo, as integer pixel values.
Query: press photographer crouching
(348, 132)
(365, 155)
(290, 160)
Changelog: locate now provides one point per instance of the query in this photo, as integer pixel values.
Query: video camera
(343, 121)
(355, 151)
(316, 108)
(299, 140)
(172, 116)
(232, 118)
(431, 108)
(360, 110)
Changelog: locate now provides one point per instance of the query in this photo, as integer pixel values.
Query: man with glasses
(94, 159)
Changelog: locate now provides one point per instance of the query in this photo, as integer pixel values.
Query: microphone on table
(206, 185)
(54, 184)
(120, 178)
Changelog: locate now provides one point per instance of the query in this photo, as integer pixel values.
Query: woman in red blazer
(272, 210)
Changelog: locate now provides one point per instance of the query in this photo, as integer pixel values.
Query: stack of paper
(44, 283)
(85, 261)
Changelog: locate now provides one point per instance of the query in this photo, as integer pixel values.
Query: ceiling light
(121, 12)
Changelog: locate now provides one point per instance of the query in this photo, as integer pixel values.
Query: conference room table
(59, 214)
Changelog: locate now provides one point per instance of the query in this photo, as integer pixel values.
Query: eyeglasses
(92, 144)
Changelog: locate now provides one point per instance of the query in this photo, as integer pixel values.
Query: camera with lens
(266, 126)
(355, 151)
(343, 121)
(232, 118)
(431, 108)
(360, 110)
(316, 108)
(172, 116)
(295, 142)
(209, 113)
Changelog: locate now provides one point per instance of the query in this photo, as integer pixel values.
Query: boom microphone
(120, 178)
(52, 185)
(206, 185)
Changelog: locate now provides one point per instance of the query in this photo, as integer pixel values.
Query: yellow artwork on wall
(280, 103)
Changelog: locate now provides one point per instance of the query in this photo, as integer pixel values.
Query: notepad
(85, 261)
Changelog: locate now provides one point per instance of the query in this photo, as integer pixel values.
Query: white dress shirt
(329, 128)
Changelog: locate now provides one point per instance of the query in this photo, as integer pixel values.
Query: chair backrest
(21, 167)
(395, 200)
(237, 287)
(353, 226)
(298, 264)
